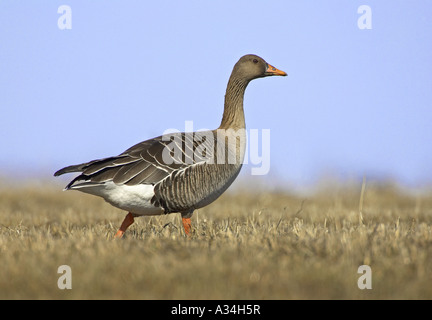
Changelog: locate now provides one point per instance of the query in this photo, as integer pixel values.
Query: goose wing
(148, 162)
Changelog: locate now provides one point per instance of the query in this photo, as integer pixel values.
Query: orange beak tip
(275, 72)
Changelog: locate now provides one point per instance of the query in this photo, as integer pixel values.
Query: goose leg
(187, 224)
(128, 220)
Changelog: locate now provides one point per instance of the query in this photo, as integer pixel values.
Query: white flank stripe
(135, 199)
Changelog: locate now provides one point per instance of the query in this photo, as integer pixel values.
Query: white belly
(135, 199)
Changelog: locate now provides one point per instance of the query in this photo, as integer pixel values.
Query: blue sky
(355, 102)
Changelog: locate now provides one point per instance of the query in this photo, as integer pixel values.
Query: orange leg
(187, 225)
(128, 220)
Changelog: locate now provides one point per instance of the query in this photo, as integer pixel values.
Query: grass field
(246, 245)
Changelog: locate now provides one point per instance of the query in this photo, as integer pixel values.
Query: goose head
(251, 67)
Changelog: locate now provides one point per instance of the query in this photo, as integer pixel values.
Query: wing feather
(145, 162)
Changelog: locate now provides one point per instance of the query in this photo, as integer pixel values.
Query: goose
(177, 172)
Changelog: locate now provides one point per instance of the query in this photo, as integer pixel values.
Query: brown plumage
(178, 172)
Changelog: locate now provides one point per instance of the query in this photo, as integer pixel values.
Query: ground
(246, 245)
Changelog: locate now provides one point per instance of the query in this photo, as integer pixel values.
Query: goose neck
(233, 116)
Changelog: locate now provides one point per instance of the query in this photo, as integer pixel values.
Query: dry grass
(244, 246)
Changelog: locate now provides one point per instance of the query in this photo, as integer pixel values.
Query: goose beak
(272, 71)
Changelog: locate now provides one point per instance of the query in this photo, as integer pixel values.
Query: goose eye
(255, 61)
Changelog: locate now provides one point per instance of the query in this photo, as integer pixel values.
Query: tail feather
(73, 168)
(78, 168)
(79, 178)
